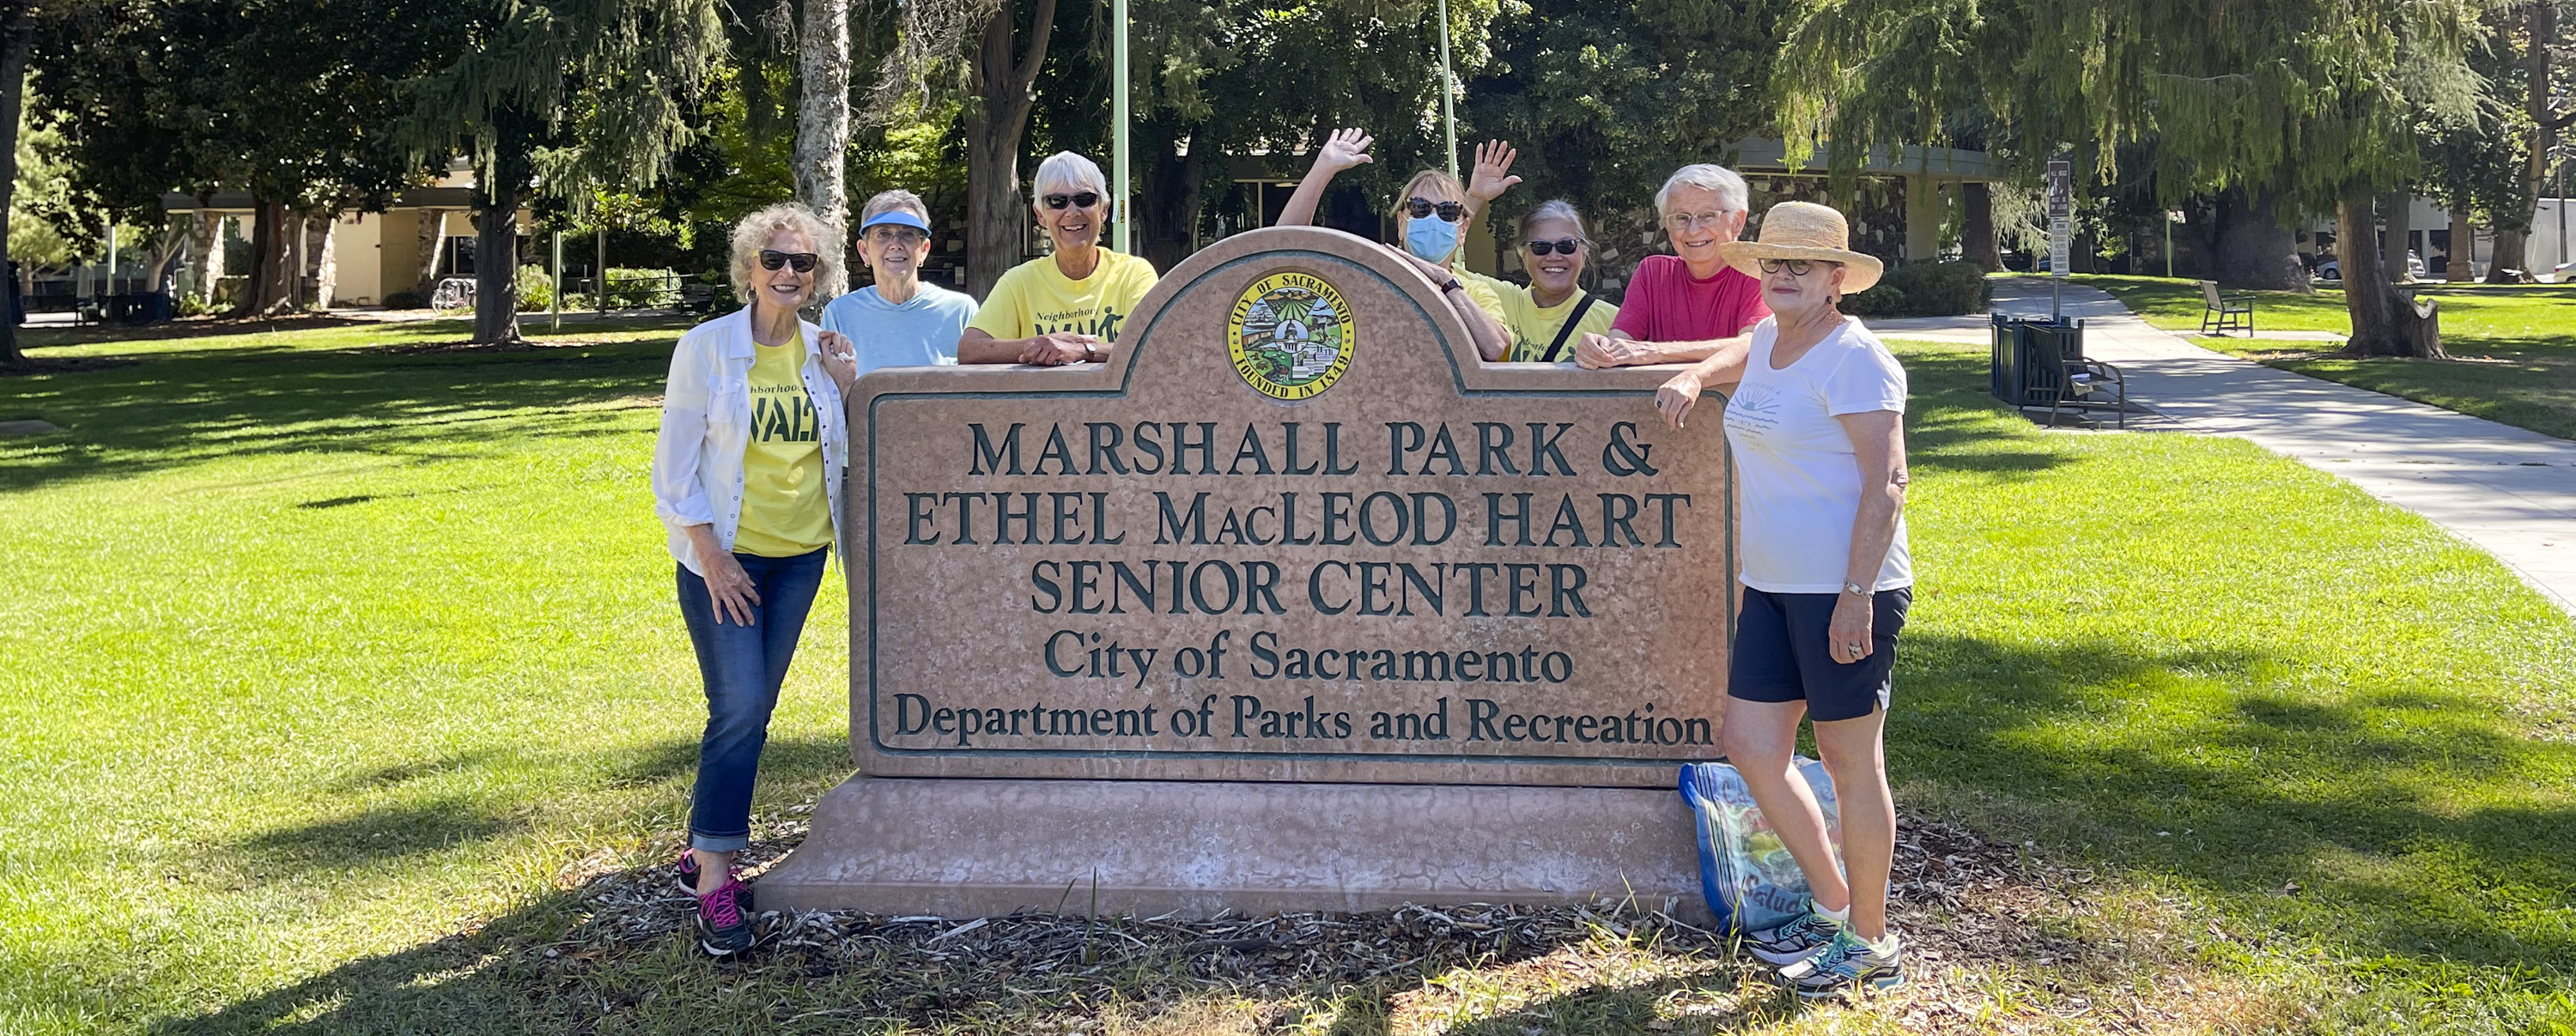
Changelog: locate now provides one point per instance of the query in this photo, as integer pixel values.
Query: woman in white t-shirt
(1817, 428)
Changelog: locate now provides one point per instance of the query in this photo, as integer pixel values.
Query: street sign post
(2061, 210)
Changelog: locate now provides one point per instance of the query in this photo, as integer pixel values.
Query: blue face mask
(1430, 238)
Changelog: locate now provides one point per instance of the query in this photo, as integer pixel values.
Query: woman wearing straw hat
(1816, 423)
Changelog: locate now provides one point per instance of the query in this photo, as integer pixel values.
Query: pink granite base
(973, 848)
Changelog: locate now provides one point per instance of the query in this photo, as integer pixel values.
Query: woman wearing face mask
(1066, 307)
(1433, 209)
(900, 321)
(746, 478)
(1817, 428)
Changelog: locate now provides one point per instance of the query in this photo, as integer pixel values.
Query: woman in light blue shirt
(899, 321)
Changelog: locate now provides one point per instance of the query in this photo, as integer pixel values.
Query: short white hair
(897, 200)
(1069, 173)
(1705, 176)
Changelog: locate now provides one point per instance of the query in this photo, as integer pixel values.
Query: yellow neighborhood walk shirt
(1036, 297)
(1533, 328)
(783, 508)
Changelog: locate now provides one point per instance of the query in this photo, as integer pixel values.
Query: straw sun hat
(1804, 230)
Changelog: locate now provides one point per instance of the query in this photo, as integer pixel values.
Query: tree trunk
(1169, 193)
(496, 258)
(823, 122)
(2397, 233)
(269, 289)
(997, 216)
(1977, 225)
(2505, 263)
(433, 248)
(2513, 228)
(206, 253)
(2375, 307)
(2463, 250)
(319, 263)
(2254, 249)
(19, 34)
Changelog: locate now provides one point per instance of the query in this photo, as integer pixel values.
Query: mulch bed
(1977, 915)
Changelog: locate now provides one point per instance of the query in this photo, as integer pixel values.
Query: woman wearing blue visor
(900, 321)
(1433, 209)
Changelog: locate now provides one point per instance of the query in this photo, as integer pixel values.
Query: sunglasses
(1448, 210)
(1796, 267)
(802, 261)
(897, 236)
(1083, 200)
(1565, 246)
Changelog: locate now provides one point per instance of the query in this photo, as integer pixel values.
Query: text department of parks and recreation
(1424, 541)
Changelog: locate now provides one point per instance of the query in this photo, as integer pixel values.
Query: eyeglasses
(1083, 200)
(1687, 220)
(803, 261)
(1448, 210)
(1565, 245)
(897, 236)
(1796, 267)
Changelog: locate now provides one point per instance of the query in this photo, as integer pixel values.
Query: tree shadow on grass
(188, 407)
(2395, 812)
(424, 816)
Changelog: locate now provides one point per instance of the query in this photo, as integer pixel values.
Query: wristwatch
(1855, 588)
(1451, 285)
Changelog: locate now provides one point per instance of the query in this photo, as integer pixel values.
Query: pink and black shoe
(724, 920)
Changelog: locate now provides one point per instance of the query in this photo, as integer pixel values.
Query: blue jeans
(743, 667)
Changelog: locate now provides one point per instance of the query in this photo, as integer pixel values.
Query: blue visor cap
(896, 218)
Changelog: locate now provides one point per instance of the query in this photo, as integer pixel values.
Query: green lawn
(2513, 348)
(330, 664)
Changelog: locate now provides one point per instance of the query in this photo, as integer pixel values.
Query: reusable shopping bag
(1751, 881)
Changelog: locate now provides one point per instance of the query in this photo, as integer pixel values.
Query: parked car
(2332, 269)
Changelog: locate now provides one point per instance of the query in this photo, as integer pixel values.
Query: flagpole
(1118, 78)
(1448, 86)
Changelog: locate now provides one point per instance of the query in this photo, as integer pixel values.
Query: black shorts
(1781, 653)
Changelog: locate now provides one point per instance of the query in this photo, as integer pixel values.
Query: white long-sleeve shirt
(706, 425)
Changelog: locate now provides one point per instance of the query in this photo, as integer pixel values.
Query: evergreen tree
(2308, 104)
(584, 92)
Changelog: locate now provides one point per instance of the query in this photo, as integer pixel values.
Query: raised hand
(1492, 177)
(1343, 149)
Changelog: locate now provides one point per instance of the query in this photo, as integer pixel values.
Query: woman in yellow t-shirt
(746, 479)
(1066, 307)
(1550, 316)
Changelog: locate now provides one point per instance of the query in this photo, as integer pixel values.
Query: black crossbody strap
(1556, 349)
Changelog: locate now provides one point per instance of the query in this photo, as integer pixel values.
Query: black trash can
(2009, 367)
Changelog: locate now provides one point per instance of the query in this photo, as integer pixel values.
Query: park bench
(2223, 313)
(2061, 380)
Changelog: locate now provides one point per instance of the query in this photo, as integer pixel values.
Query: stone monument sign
(1293, 603)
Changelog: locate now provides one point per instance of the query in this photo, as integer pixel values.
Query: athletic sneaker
(1848, 962)
(724, 923)
(684, 876)
(685, 873)
(1795, 941)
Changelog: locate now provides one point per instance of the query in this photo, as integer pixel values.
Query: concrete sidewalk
(2509, 491)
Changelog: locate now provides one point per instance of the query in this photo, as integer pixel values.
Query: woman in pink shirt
(1681, 307)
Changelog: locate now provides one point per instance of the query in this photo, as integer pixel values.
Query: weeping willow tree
(563, 95)
(2310, 102)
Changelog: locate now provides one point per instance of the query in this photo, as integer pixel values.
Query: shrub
(642, 289)
(1883, 299)
(536, 289)
(1924, 290)
(407, 300)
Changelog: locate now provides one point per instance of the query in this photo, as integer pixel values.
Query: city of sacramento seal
(1290, 336)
